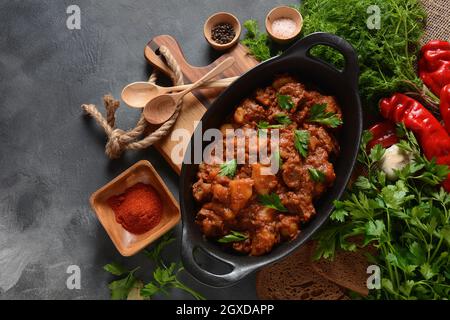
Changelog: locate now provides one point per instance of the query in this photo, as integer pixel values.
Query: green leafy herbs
(233, 236)
(266, 125)
(406, 220)
(282, 118)
(228, 168)
(316, 175)
(272, 201)
(386, 53)
(301, 141)
(285, 102)
(165, 277)
(257, 42)
(318, 114)
(121, 288)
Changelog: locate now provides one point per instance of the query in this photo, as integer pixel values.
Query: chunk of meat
(241, 191)
(243, 246)
(201, 191)
(294, 173)
(282, 80)
(288, 226)
(221, 210)
(211, 224)
(320, 138)
(300, 203)
(263, 215)
(266, 96)
(221, 193)
(263, 240)
(249, 111)
(264, 182)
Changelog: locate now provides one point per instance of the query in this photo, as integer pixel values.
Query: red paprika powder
(139, 209)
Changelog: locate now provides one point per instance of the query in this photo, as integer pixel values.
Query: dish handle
(214, 280)
(303, 47)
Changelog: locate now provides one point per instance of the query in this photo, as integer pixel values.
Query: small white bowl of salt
(283, 24)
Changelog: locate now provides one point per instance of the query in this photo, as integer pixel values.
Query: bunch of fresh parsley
(387, 55)
(407, 221)
(164, 277)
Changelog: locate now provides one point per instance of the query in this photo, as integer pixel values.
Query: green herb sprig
(165, 277)
(285, 102)
(272, 201)
(228, 168)
(318, 114)
(407, 220)
(316, 175)
(301, 142)
(233, 236)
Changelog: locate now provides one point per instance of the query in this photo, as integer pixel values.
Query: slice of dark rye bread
(294, 278)
(348, 269)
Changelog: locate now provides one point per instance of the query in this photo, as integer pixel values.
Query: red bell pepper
(434, 65)
(432, 137)
(445, 106)
(383, 133)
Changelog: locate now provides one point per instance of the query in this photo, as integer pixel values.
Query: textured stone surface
(52, 158)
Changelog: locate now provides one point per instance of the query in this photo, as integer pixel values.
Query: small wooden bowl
(284, 12)
(127, 243)
(217, 18)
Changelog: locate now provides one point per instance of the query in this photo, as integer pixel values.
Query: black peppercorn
(223, 33)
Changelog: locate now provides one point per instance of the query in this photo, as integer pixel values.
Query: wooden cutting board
(196, 103)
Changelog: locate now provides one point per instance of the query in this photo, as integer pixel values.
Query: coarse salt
(284, 28)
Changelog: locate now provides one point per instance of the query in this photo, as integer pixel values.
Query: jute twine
(120, 140)
(437, 24)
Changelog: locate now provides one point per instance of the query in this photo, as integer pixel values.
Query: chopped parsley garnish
(266, 125)
(316, 175)
(285, 102)
(301, 141)
(282, 118)
(233, 236)
(272, 201)
(318, 114)
(228, 168)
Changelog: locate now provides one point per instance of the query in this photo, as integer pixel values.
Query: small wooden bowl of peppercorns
(222, 30)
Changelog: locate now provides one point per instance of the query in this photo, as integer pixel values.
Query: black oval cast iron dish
(297, 60)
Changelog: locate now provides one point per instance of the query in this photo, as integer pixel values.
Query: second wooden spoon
(161, 108)
(138, 94)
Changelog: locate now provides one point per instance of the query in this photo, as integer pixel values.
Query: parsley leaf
(272, 201)
(233, 236)
(301, 141)
(318, 114)
(283, 118)
(121, 288)
(115, 269)
(285, 102)
(316, 175)
(228, 168)
(164, 277)
(266, 125)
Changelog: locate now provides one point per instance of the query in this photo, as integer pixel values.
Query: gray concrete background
(52, 158)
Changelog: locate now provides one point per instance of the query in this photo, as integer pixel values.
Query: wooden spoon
(138, 94)
(161, 108)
